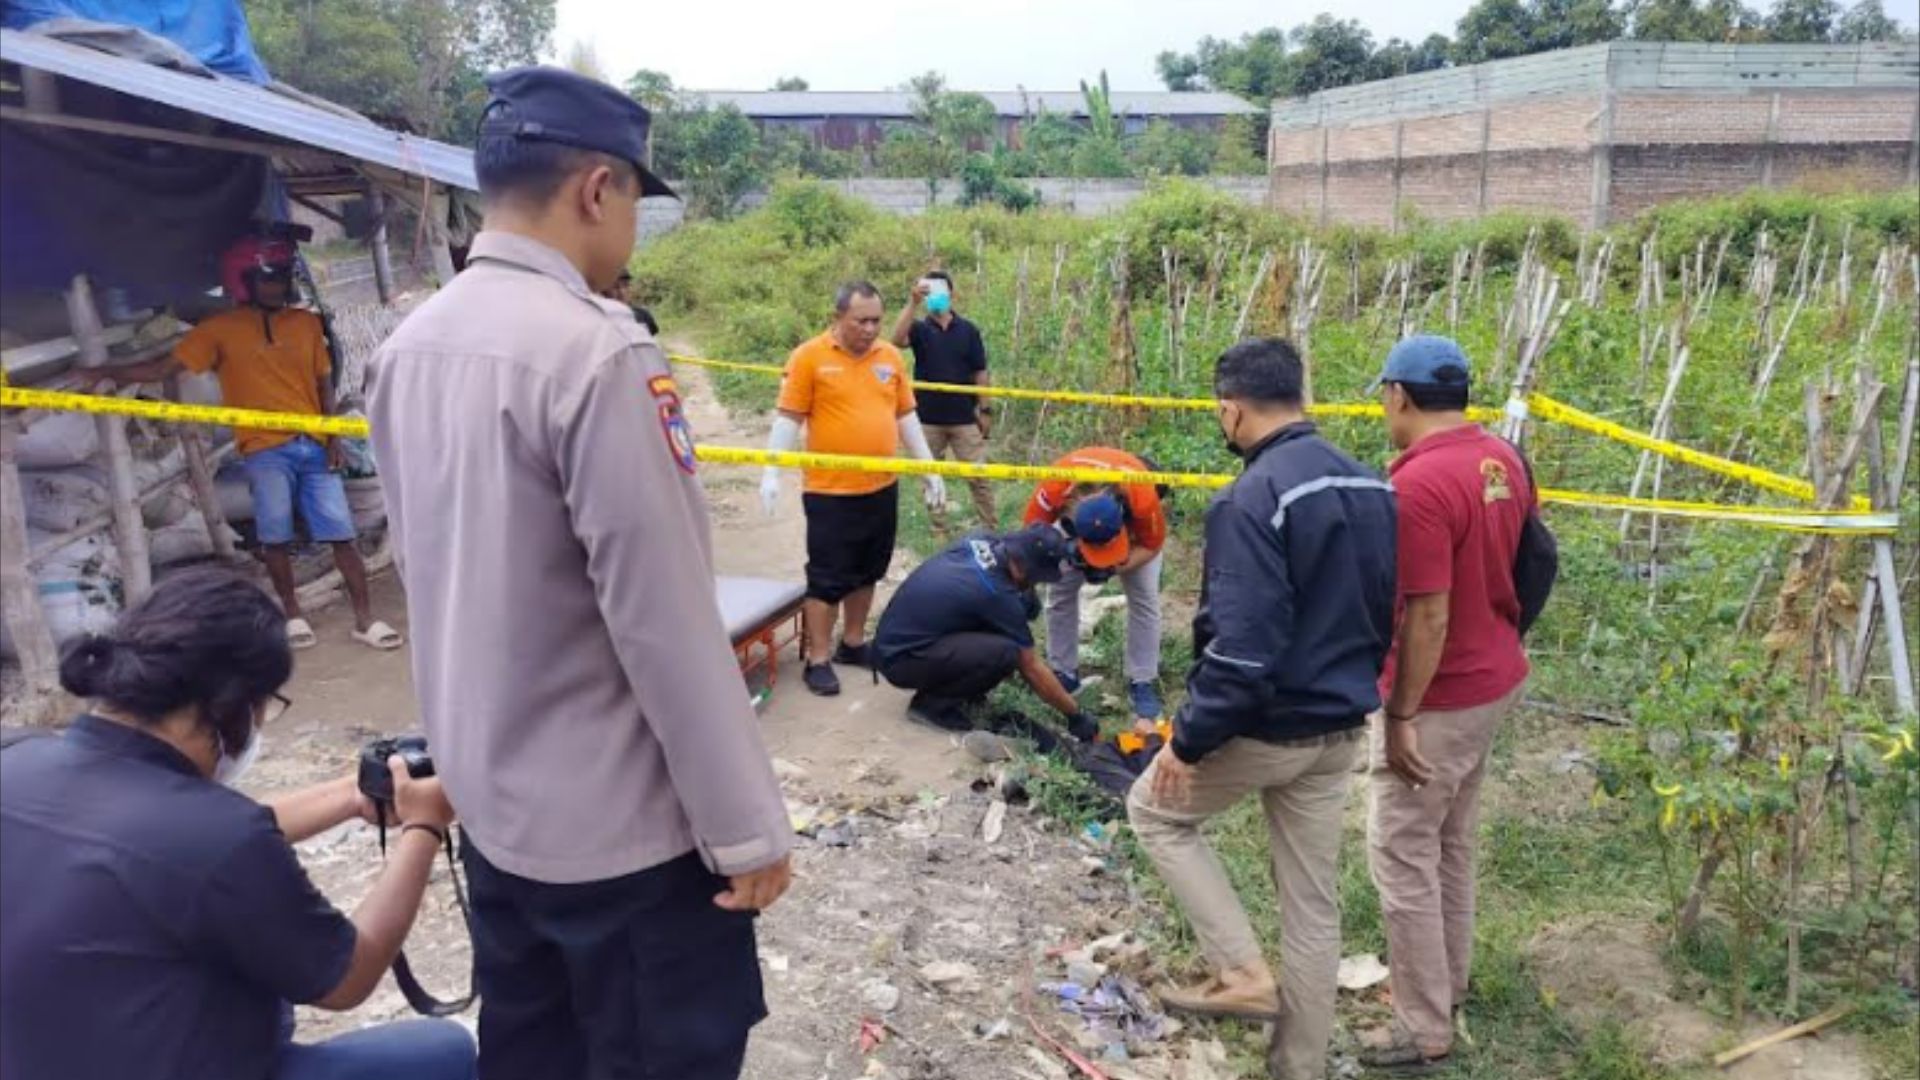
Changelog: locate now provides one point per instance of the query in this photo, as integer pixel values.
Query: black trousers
(635, 976)
(849, 540)
(963, 667)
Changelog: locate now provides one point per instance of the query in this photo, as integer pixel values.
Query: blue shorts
(297, 468)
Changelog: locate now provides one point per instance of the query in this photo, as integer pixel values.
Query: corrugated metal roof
(248, 105)
(784, 104)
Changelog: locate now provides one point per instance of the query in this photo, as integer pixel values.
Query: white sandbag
(71, 608)
(186, 540)
(367, 502)
(168, 507)
(93, 556)
(236, 495)
(57, 441)
(150, 471)
(62, 499)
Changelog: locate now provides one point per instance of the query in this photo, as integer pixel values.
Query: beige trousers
(1303, 788)
(967, 444)
(1421, 847)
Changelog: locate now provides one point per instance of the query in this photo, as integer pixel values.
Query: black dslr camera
(376, 780)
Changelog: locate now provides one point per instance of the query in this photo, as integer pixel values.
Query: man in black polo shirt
(958, 626)
(948, 349)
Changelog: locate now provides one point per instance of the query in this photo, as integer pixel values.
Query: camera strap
(417, 996)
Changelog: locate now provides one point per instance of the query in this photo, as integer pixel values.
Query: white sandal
(379, 636)
(300, 634)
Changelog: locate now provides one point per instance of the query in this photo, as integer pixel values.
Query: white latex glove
(770, 491)
(936, 491)
(784, 436)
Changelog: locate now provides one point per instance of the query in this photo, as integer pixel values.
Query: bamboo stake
(1253, 290)
(129, 532)
(1824, 1020)
(26, 621)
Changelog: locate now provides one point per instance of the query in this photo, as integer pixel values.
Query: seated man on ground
(1121, 530)
(958, 627)
(158, 923)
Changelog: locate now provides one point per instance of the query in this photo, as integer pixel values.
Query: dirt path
(899, 878)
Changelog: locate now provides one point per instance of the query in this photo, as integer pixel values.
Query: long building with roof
(858, 119)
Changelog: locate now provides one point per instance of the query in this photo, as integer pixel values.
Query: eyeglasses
(276, 708)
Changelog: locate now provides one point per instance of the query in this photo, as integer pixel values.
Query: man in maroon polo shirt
(1455, 670)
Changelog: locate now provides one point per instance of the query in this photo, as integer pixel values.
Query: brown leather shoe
(1240, 993)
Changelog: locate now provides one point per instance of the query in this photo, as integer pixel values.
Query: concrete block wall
(1647, 125)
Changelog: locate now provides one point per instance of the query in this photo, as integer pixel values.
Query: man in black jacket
(1296, 614)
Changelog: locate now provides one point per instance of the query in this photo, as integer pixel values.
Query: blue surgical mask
(939, 303)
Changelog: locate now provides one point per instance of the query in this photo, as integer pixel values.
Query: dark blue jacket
(1296, 605)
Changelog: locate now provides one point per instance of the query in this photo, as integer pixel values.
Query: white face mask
(231, 767)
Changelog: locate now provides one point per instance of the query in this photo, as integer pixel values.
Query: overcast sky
(979, 44)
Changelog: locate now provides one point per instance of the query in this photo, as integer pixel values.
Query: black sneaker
(944, 714)
(860, 655)
(821, 680)
(1069, 680)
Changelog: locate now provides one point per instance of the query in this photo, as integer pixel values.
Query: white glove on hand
(770, 491)
(936, 491)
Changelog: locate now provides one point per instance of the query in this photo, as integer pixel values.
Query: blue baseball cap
(549, 104)
(1425, 360)
(1039, 549)
(1100, 524)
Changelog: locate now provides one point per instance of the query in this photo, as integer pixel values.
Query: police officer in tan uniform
(621, 820)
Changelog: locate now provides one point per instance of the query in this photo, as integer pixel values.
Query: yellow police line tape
(1822, 521)
(1078, 397)
(1538, 405)
(1546, 408)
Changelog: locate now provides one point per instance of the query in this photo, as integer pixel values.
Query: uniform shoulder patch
(673, 421)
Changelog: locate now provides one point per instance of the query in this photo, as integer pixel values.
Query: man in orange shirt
(1120, 529)
(851, 390)
(272, 356)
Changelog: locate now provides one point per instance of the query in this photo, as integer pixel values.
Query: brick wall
(1645, 176)
(1540, 153)
(1442, 188)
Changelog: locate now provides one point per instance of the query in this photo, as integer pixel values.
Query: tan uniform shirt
(579, 693)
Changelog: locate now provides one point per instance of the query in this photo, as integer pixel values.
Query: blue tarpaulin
(214, 31)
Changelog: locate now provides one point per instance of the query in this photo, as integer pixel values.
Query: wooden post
(129, 532)
(438, 242)
(19, 597)
(200, 478)
(377, 242)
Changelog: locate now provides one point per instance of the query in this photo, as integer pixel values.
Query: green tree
(1566, 24)
(1397, 57)
(790, 83)
(793, 153)
(584, 59)
(982, 183)
(1048, 140)
(1688, 20)
(654, 89)
(716, 155)
(1329, 52)
(1179, 71)
(1868, 21)
(455, 43)
(1494, 30)
(1166, 149)
(1237, 148)
(1798, 21)
(1254, 67)
(347, 51)
(1101, 153)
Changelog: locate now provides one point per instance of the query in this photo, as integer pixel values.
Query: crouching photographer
(158, 924)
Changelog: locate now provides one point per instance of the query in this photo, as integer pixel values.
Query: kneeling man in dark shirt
(958, 627)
